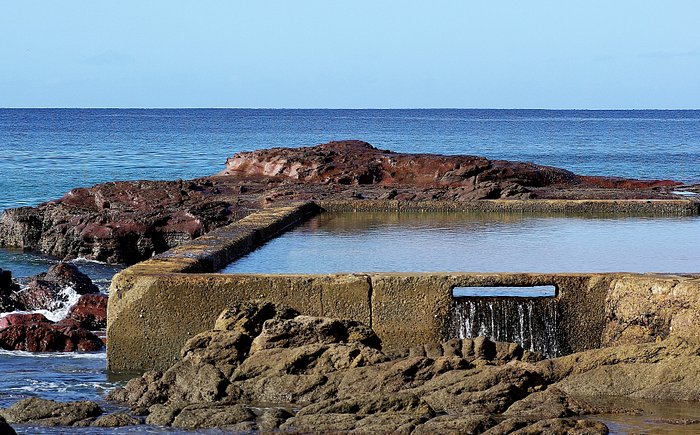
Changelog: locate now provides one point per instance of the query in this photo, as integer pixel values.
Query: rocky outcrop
(35, 411)
(50, 413)
(47, 290)
(328, 375)
(126, 222)
(35, 333)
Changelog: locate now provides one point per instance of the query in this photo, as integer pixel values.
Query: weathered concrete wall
(417, 306)
(151, 316)
(653, 207)
(156, 305)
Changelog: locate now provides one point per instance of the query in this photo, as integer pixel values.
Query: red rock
(44, 290)
(21, 319)
(126, 222)
(90, 312)
(67, 275)
(34, 333)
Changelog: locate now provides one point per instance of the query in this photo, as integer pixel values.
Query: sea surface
(46, 152)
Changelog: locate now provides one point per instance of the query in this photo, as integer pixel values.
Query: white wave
(79, 260)
(683, 193)
(73, 355)
(58, 309)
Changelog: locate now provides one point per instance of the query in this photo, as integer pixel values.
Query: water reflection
(484, 242)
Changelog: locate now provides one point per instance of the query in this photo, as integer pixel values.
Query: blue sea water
(46, 152)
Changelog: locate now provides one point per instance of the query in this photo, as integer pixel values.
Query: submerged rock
(50, 413)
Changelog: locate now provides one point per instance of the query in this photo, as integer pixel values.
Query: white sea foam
(58, 309)
(79, 260)
(72, 355)
(683, 193)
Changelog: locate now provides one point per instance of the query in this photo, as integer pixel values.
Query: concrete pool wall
(156, 305)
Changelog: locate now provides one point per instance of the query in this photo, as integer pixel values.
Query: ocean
(46, 152)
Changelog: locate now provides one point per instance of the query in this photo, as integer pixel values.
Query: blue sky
(360, 54)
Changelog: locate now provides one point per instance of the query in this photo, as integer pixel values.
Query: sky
(361, 54)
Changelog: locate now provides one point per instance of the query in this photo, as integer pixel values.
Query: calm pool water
(450, 242)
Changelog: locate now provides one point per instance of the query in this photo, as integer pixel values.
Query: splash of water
(532, 323)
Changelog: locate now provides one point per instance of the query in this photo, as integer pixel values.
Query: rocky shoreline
(28, 330)
(126, 222)
(265, 367)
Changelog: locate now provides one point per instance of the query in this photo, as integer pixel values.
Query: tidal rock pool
(472, 242)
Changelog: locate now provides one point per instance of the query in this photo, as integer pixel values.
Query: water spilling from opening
(532, 323)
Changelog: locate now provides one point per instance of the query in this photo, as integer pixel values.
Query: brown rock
(303, 330)
(117, 419)
(44, 412)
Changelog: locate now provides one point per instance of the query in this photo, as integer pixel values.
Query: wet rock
(46, 290)
(90, 312)
(35, 333)
(5, 428)
(9, 300)
(117, 419)
(44, 412)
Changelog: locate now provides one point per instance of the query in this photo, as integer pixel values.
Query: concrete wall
(156, 305)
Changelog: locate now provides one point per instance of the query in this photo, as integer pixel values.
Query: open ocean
(46, 152)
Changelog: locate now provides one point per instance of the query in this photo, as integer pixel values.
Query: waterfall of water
(530, 322)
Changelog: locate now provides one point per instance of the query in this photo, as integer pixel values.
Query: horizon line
(339, 108)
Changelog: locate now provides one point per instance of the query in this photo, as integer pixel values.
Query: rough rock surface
(335, 375)
(35, 333)
(90, 312)
(45, 290)
(126, 222)
(50, 413)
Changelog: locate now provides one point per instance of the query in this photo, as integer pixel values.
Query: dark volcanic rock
(46, 290)
(35, 333)
(5, 428)
(126, 222)
(9, 300)
(90, 312)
